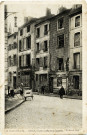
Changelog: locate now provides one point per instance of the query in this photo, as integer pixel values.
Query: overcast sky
(34, 9)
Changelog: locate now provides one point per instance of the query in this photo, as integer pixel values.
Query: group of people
(61, 91)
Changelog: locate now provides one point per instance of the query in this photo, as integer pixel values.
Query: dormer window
(60, 23)
(77, 21)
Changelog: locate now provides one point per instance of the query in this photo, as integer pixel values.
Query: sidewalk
(13, 102)
(56, 95)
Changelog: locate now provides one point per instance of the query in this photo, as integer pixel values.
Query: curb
(12, 108)
(58, 96)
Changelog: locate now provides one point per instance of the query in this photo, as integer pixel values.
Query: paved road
(46, 113)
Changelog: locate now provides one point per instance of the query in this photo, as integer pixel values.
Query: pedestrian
(42, 89)
(61, 92)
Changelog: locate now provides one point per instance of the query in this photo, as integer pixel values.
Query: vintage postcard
(43, 67)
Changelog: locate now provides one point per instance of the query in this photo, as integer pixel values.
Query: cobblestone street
(46, 113)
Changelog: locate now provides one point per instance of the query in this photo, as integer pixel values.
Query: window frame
(79, 40)
(77, 22)
(58, 21)
(59, 41)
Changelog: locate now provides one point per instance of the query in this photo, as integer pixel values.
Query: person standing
(61, 92)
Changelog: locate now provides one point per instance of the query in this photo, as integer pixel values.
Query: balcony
(25, 67)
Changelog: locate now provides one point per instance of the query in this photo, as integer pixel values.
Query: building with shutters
(59, 50)
(75, 64)
(26, 53)
(42, 53)
(12, 60)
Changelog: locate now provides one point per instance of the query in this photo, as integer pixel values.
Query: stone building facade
(42, 54)
(59, 50)
(75, 64)
(12, 60)
(26, 53)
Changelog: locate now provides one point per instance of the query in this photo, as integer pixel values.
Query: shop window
(59, 81)
(28, 28)
(76, 60)
(28, 42)
(77, 39)
(61, 41)
(61, 23)
(77, 21)
(46, 29)
(76, 82)
(45, 46)
(60, 64)
(38, 33)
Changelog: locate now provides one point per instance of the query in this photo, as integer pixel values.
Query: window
(20, 45)
(19, 61)
(14, 60)
(37, 47)
(45, 46)
(9, 61)
(10, 76)
(21, 32)
(60, 64)
(24, 42)
(60, 23)
(46, 29)
(76, 60)
(28, 28)
(77, 39)
(77, 21)
(38, 33)
(59, 81)
(45, 62)
(9, 46)
(76, 82)
(14, 36)
(15, 45)
(61, 41)
(28, 42)
(28, 60)
(36, 77)
(37, 61)
(43, 77)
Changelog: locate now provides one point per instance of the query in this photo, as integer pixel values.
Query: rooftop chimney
(48, 12)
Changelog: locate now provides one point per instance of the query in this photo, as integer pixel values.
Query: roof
(62, 13)
(43, 19)
(75, 11)
(29, 22)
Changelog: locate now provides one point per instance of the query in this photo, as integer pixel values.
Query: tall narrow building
(75, 63)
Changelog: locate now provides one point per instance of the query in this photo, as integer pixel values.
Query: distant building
(26, 53)
(59, 50)
(12, 60)
(75, 63)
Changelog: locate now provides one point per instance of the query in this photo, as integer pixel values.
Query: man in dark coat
(61, 92)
